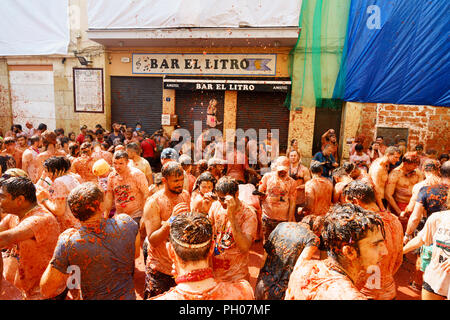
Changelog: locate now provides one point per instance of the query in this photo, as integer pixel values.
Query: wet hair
(191, 236)
(48, 137)
(202, 165)
(134, 146)
(205, 176)
(171, 169)
(411, 158)
(121, 154)
(315, 223)
(360, 190)
(59, 131)
(85, 147)
(359, 147)
(34, 139)
(73, 149)
(63, 141)
(347, 224)
(445, 169)
(315, 167)
(9, 140)
(99, 131)
(392, 150)
(431, 165)
(348, 167)
(20, 186)
(42, 127)
(84, 201)
(227, 186)
(57, 164)
(444, 156)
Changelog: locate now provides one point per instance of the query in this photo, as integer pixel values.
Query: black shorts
(427, 287)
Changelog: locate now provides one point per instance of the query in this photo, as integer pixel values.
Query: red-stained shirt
(229, 263)
(314, 280)
(385, 288)
(236, 290)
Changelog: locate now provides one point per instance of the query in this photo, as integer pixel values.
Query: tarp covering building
(148, 14)
(34, 27)
(397, 52)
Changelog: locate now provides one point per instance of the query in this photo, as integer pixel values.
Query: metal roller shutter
(263, 110)
(137, 99)
(191, 106)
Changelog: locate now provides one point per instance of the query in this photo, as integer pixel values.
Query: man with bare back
(158, 211)
(83, 164)
(379, 172)
(29, 158)
(400, 183)
(49, 142)
(318, 192)
(127, 187)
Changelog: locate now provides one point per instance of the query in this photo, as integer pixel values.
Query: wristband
(171, 220)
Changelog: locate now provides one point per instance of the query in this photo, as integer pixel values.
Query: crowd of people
(78, 209)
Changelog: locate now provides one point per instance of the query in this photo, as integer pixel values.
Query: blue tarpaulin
(396, 52)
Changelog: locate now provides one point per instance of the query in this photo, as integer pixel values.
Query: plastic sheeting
(34, 27)
(316, 58)
(397, 52)
(119, 14)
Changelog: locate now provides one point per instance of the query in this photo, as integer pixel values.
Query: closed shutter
(263, 110)
(191, 106)
(137, 99)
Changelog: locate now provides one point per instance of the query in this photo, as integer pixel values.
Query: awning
(231, 84)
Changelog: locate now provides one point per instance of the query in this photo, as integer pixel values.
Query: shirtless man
(431, 173)
(9, 145)
(279, 202)
(33, 239)
(99, 153)
(363, 195)
(21, 146)
(83, 164)
(318, 192)
(127, 188)
(400, 183)
(193, 274)
(134, 151)
(158, 210)
(342, 178)
(49, 142)
(355, 241)
(379, 172)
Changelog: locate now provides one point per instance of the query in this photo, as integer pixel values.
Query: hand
(180, 208)
(406, 239)
(209, 197)
(42, 194)
(231, 204)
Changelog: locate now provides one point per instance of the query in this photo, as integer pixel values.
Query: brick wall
(428, 125)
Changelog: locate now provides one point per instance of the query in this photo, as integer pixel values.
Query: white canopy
(38, 27)
(149, 14)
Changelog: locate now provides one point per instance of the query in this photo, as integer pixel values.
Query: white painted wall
(33, 97)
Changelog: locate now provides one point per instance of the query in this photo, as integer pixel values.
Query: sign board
(169, 119)
(391, 136)
(205, 64)
(88, 90)
(228, 85)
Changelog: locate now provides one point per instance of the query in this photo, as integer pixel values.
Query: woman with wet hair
(53, 197)
(203, 193)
